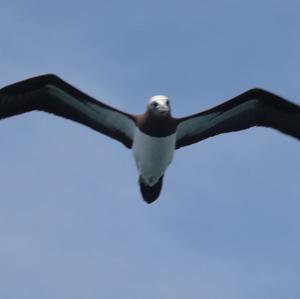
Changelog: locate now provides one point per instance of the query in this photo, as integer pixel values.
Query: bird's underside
(51, 94)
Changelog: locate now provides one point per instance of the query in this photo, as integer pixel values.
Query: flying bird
(154, 135)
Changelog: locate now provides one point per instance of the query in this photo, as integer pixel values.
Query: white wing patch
(104, 116)
(113, 119)
(195, 125)
(198, 124)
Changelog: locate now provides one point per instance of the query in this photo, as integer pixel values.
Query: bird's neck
(157, 126)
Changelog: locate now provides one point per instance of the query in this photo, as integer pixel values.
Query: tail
(151, 193)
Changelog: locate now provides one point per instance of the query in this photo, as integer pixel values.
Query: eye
(154, 104)
(167, 102)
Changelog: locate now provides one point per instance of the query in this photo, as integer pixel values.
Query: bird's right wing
(51, 94)
(255, 107)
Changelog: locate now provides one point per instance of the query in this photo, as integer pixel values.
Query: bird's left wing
(51, 94)
(255, 107)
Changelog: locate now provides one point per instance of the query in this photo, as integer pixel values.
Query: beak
(163, 109)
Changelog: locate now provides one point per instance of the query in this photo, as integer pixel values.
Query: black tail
(151, 193)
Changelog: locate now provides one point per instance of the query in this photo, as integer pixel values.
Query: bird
(154, 135)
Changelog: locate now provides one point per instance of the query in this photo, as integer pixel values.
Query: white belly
(152, 155)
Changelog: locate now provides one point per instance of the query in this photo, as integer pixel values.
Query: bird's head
(159, 106)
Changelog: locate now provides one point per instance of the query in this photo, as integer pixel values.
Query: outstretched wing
(51, 94)
(255, 107)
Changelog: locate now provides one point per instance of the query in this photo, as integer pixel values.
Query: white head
(159, 105)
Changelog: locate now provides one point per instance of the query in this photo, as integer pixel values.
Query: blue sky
(72, 221)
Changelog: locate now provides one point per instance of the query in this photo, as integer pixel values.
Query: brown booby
(154, 135)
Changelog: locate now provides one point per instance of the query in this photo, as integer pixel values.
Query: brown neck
(156, 126)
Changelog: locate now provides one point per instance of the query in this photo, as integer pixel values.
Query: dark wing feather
(51, 94)
(256, 107)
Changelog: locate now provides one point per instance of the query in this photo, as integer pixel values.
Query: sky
(72, 221)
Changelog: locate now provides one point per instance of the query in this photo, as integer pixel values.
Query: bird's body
(154, 135)
(152, 155)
